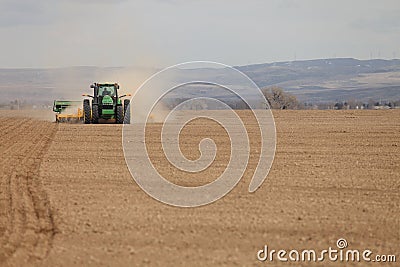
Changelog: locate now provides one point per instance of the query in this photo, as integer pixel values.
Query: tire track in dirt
(26, 221)
(335, 175)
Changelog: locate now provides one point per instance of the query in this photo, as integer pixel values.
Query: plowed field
(67, 197)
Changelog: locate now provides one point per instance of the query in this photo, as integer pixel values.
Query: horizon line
(159, 67)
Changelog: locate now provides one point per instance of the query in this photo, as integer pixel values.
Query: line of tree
(279, 99)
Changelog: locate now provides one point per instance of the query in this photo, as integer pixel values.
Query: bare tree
(278, 99)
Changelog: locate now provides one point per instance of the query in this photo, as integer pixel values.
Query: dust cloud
(130, 80)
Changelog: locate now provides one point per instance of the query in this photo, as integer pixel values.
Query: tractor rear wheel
(86, 111)
(120, 114)
(95, 114)
(127, 111)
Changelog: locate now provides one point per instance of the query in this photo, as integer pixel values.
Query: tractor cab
(102, 90)
(107, 97)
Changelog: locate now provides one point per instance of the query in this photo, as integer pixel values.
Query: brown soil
(26, 220)
(67, 197)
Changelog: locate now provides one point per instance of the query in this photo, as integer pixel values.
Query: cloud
(28, 12)
(107, 2)
(44, 12)
(387, 22)
(147, 32)
(288, 3)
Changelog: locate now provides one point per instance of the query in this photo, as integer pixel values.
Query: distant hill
(321, 80)
(331, 79)
(45, 85)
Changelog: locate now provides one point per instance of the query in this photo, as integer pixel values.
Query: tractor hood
(107, 100)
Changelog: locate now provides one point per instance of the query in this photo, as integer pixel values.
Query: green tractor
(106, 105)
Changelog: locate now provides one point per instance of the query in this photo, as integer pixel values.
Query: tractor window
(106, 90)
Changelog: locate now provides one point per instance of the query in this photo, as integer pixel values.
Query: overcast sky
(157, 33)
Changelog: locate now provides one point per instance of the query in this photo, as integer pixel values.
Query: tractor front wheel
(86, 111)
(120, 114)
(95, 114)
